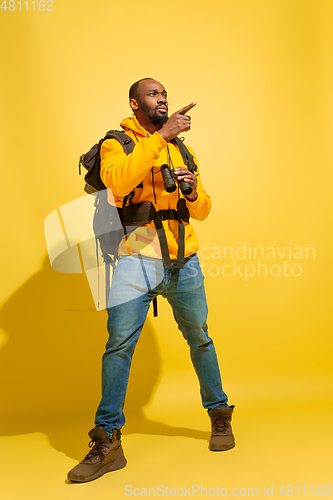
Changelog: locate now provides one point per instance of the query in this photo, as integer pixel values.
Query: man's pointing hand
(177, 123)
(187, 108)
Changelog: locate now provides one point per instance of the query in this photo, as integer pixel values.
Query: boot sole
(120, 463)
(216, 448)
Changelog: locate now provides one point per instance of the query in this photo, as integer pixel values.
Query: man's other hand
(185, 175)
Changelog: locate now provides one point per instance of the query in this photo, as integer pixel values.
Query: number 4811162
(41, 5)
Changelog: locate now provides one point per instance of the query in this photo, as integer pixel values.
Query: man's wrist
(189, 199)
(164, 134)
(158, 132)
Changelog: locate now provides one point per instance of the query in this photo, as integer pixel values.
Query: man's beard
(155, 118)
(159, 119)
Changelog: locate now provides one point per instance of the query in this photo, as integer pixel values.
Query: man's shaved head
(133, 91)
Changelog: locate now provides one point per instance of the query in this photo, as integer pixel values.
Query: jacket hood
(132, 123)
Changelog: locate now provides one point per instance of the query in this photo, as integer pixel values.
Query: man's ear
(134, 105)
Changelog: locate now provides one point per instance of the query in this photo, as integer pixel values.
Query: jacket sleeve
(122, 172)
(200, 208)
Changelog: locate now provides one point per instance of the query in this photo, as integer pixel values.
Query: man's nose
(162, 98)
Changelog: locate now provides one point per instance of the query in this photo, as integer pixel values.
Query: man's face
(152, 102)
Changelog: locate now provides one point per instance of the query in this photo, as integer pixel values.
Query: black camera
(170, 184)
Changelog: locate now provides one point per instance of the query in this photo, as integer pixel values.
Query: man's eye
(156, 93)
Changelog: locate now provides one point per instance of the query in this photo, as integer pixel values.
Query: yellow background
(261, 73)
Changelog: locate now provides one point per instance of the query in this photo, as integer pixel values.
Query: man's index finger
(187, 108)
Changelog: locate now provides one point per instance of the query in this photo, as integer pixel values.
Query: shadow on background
(50, 367)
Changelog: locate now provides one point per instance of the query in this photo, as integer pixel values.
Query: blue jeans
(137, 280)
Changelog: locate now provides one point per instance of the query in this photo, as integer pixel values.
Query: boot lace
(97, 448)
(220, 425)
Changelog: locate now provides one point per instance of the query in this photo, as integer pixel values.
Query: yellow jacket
(121, 173)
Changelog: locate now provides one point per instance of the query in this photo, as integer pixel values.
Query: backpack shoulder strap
(125, 140)
(186, 155)
(91, 160)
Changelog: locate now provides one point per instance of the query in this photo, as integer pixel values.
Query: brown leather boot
(104, 456)
(222, 437)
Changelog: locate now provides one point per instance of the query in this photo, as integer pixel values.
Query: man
(145, 271)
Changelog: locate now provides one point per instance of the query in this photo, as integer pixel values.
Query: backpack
(107, 222)
(111, 223)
